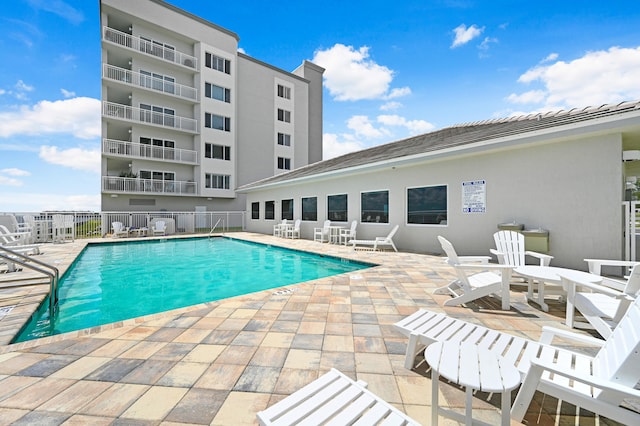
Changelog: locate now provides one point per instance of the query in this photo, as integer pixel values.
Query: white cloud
(2, 91)
(398, 92)
(464, 35)
(74, 158)
(23, 87)
(6, 181)
(60, 8)
(79, 117)
(15, 172)
(67, 93)
(332, 147)
(550, 57)
(390, 106)
(350, 74)
(362, 126)
(413, 126)
(599, 77)
(486, 43)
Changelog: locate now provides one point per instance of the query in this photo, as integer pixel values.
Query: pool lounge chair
(335, 399)
(17, 241)
(599, 383)
(377, 243)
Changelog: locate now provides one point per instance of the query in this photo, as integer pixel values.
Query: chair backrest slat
(633, 284)
(511, 243)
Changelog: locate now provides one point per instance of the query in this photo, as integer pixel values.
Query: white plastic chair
(377, 243)
(278, 229)
(159, 228)
(348, 234)
(322, 234)
(119, 230)
(602, 305)
(471, 287)
(510, 250)
(293, 232)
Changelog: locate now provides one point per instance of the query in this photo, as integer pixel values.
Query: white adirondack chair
(293, 232)
(510, 249)
(598, 383)
(322, 234)
(119, 230)
(159, 228)
(602, 305)
(334, 399)
(482, 283)
(348, 234)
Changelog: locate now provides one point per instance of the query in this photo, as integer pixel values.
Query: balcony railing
(148, 186)
(132, 78)
(144, 46)
(129, 113)
(140, 150)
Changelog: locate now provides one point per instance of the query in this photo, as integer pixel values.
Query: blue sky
(393, 70)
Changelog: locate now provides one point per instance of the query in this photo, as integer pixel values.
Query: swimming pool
(112, 282)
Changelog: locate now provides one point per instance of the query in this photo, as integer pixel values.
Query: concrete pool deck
(221, 362)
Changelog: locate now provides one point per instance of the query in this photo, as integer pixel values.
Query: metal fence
(43, 225)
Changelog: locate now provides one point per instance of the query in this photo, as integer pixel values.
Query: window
(284, 115)
(284, 91)
(287, 209)
(155, 148)
(157, 115)
(427, 205)
(269, 210)
(217, 63)
(284, 139)
(216, 181)
(156, 81)
(217, 92)
(255, 210)
(284, 163)
(214, 121)
(310, 208)
(219, 152)
(337, 208)
(157, 181)
(157, 48)
(374, 207)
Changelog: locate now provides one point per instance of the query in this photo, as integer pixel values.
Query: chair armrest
(474, 259)
(545, 259)
(598, 288)
(595, 265)
(548, 333)
(579, 376)
(485, 266)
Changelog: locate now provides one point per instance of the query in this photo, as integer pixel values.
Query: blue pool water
(117, 281)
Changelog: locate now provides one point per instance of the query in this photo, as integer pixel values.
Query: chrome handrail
(27, 262)
(214, 227)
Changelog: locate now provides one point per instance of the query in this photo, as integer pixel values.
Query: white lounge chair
(293, 232)
(322, 234)
(482, 283)
(510, 249)
(602, 305)
(119, 230)
(159, 228)
(334, 399)
(18, 241)
(348, 234)
(599, 383)
(377, 243)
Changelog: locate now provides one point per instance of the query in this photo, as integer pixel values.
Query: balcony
(127, 149)
(154, 118)
(131, 78)
(139, 45)
(147, 186)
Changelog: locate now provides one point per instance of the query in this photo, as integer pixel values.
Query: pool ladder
(30, 262)
(214, 227)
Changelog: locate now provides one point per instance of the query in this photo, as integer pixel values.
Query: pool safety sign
(474, 196)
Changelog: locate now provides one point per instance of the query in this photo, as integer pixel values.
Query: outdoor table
(549, 274)
(334, 234)
(473, 367)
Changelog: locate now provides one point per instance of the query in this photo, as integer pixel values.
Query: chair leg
(526, 392)
(411, 351)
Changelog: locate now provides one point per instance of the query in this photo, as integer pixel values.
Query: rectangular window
(374, 207)
(284, 139)
(217, 63)
(255, 210)
(218, 152)
(287, 209)
(284, 91)
(216, 181)
(337, 207)
(157, 115)
(427, 205)
(217, 92)
(269, 210)
(284, 163)
(310, 208)
(284, 115)
(214, 121)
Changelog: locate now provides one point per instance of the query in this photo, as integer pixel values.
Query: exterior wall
(572, 188)
(252, 111)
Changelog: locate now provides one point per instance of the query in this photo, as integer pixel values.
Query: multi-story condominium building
(186, 118)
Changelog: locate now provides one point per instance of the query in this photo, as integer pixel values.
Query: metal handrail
(214, 227)
(27, 262)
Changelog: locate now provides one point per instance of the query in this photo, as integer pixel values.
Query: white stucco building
(186, 118)
(562, 172)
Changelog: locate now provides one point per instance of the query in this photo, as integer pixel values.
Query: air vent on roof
(630, 155)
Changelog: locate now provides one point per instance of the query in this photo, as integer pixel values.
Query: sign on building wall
(474, 196)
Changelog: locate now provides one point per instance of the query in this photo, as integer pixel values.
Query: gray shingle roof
(458, 135)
